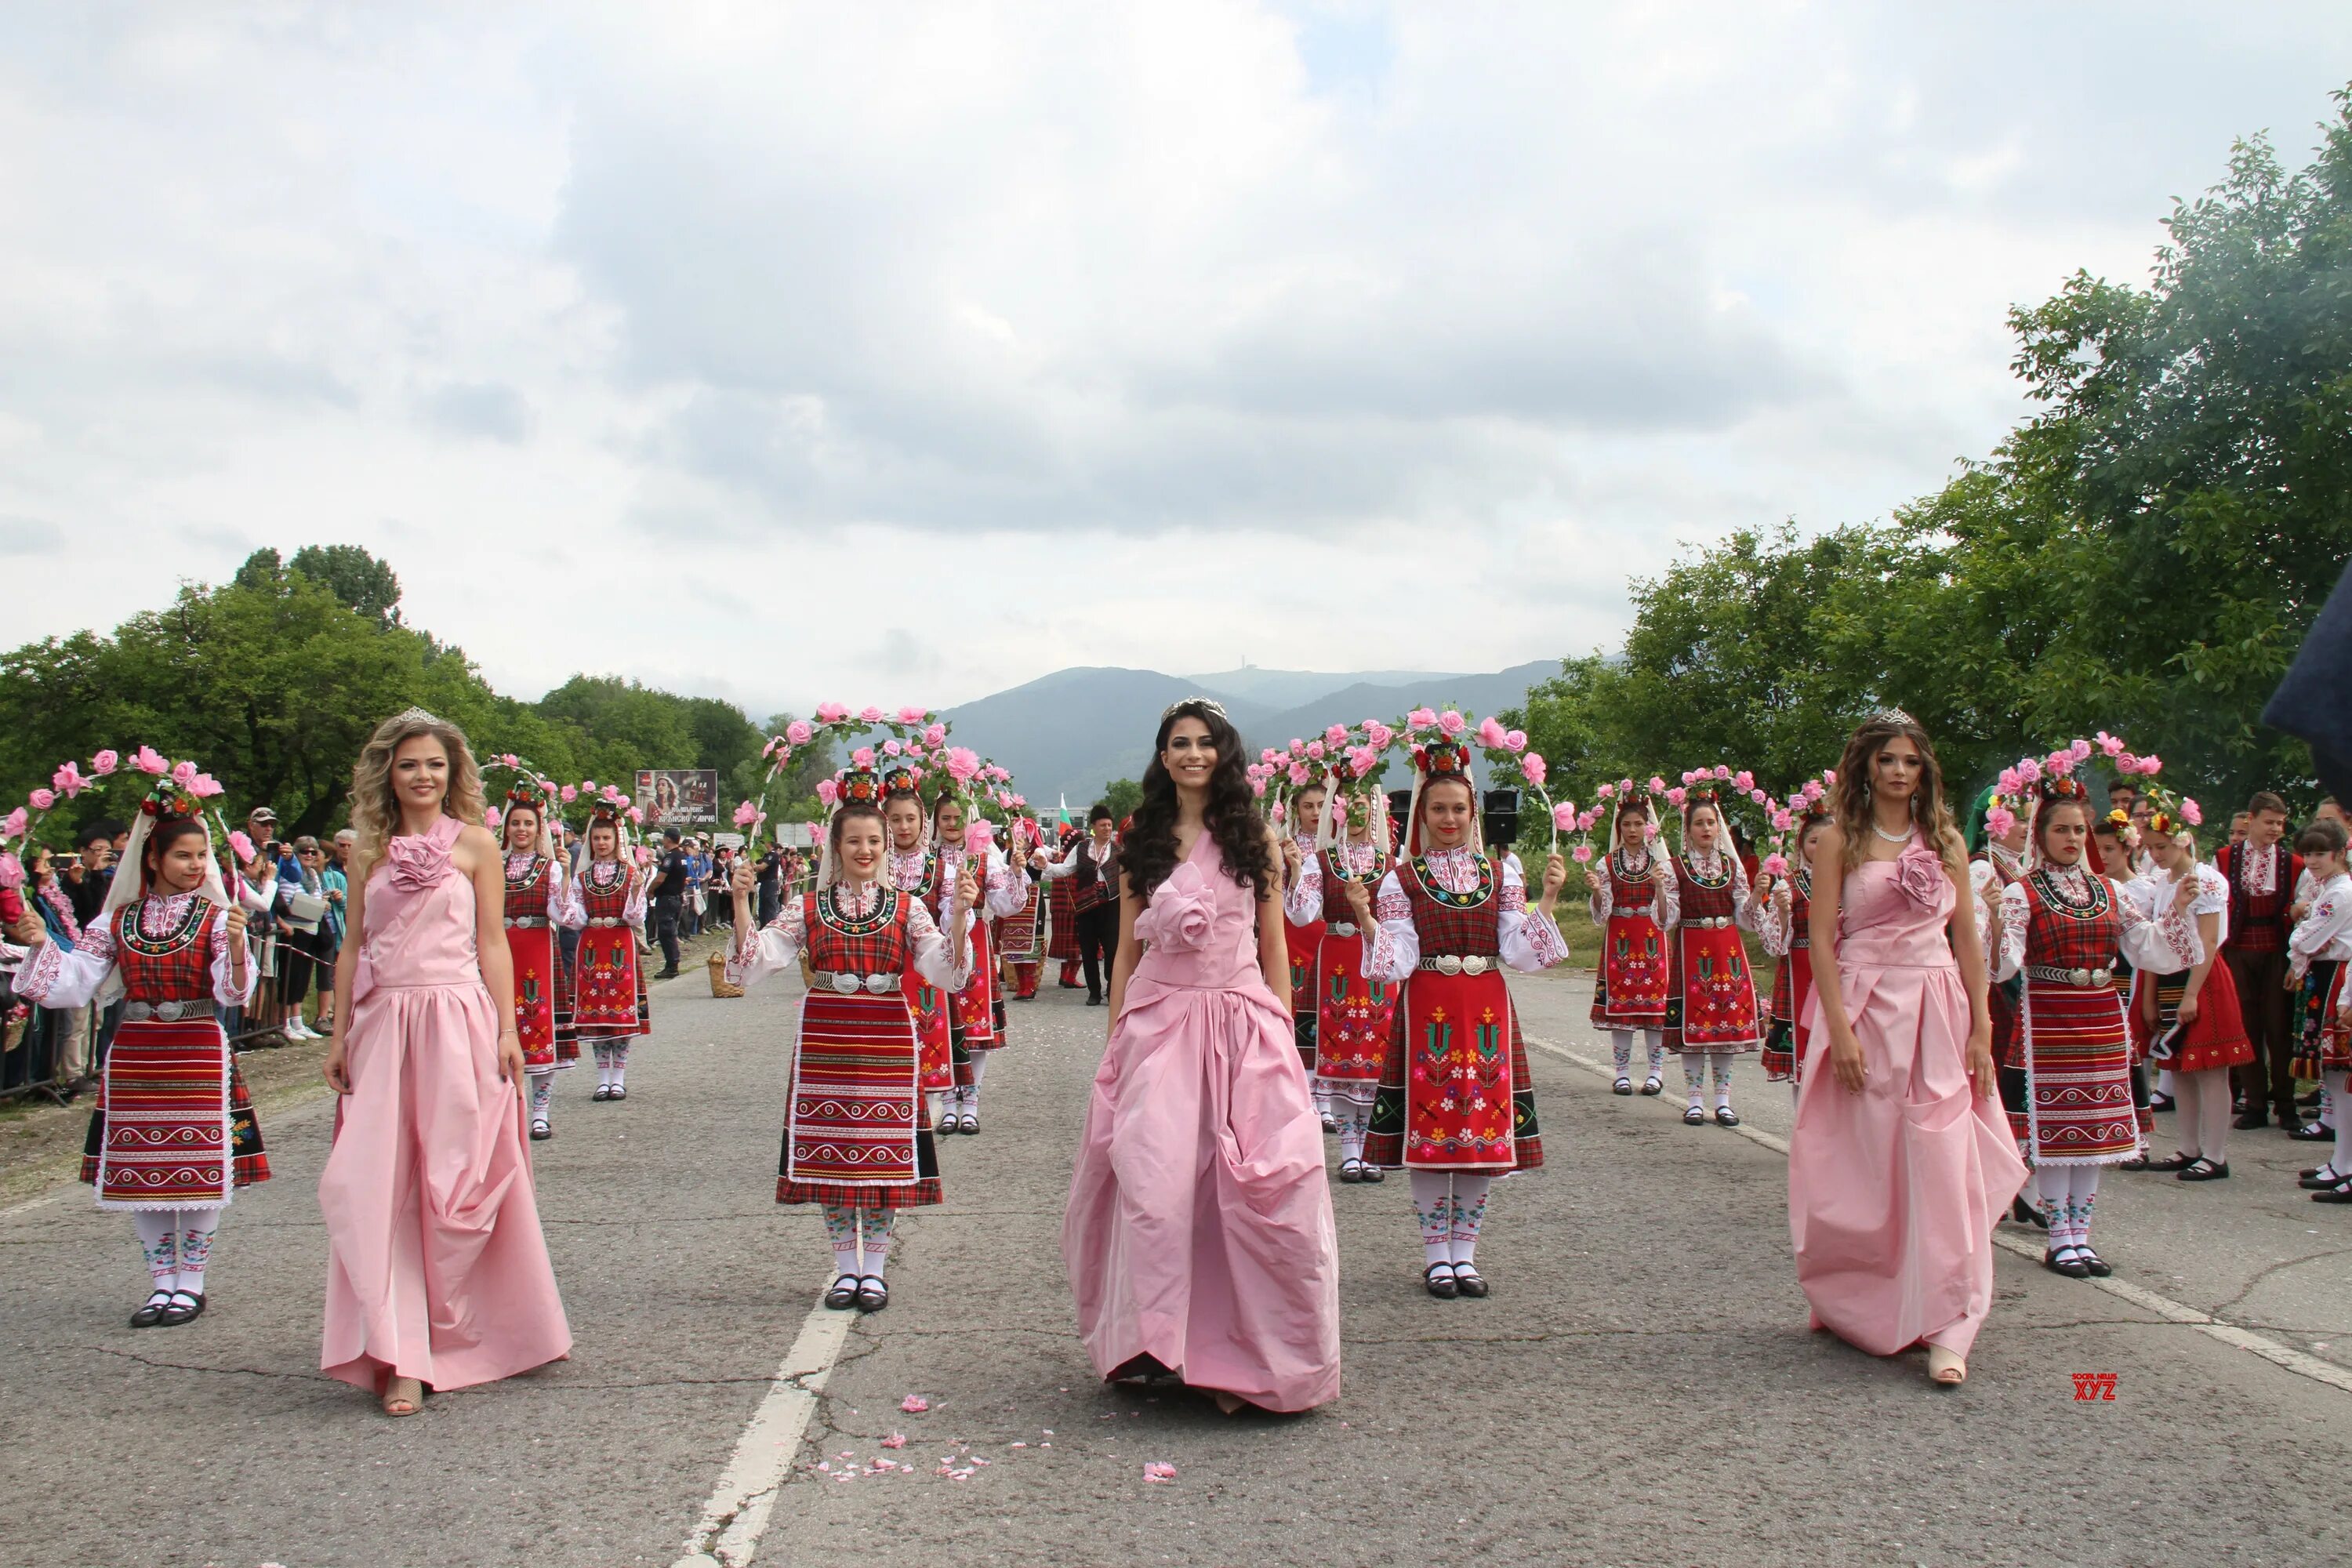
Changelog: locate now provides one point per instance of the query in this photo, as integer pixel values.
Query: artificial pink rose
(1336, 736)
(1378, 734)
(492, 817)
(913, 715)
(799, 732)
(892, 749)
(1582, 854)
(746, 812)
(1606, 790)
(1362, 760)
(2058, 764)
(204, 786)
(1298, 775)
(935, 734)
(1678, 795)
(638, 816)
(2127, 762)
(1783, 821)
(103, 764)
(2150, 766)
(13, 825)
(1650, 831)
(1919, 872)
(2081, 749)
(181, 773)
(1315, 750)
(147, 761)
(1743, 780)
(1491, 733)
(1420, 718)
(2111, 744)
(1563, 816)
(1775, 864)
(863, 757)
(243, 845)
(1533, 768)
(2192, 813)
(978, 839)
(869, 714)
(1759, 797)
(68, 779)
(1514, 739)
(2001, 821)
(569, 794)
(1180, 910)
(43, 799)
(1690, 777)
(827, 791)
(1657, 784)
(831, 713)
(1296, 745)
(962, 764)
(1451, 723)
(2013, 783)
(2029, 772)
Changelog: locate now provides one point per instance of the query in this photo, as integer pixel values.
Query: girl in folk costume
(174, 1134)
(1711, 1013)
(605, 904)
(1198, 1237)
(2184, 1016)
(1633, 901)
(914, 870)
(1898, 1161)
(1023, 933)
(1456, 1104)
(1062, 910)
(2000, 831)
(1307, 802)
(542, 987)
(2062, 928)
(1353, 1014)
(857, 1138)
(2319, 951)
(1004, 889)
(437, 1271)
(1786, 931)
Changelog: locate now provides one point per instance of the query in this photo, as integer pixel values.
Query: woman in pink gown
(1901, 1159)
(437, 1273)
(1199, 1237)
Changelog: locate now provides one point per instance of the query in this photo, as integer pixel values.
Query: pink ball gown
(1199, 1228)
(1893, 1192)
(435, 1267)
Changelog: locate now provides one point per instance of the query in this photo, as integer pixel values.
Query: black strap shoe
(1469, 1281)
(1441, 1285)
(873, 1295)
(148, 1316)
(844, 1294)
(2204, 1170)
(186, 1307)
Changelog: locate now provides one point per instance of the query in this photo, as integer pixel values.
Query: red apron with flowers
(2071, 1039)
(928, 1003)
(543, 1002)
(974, 1019)
(1631, 993)
(1711, 996)
(608, 999)
(1792, 988)
(1353, 1015)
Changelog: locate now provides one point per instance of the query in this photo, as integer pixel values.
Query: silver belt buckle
(1449, 964)
(845, 982)
(877, 983)
(1475, 964)
(168, 1011)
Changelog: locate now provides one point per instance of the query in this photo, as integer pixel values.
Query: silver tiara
(414, 715)
(1894, 716)
(1210, 703)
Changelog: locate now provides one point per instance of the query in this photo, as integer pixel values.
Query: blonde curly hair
(375, 809)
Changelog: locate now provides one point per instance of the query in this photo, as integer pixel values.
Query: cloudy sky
(782, 352)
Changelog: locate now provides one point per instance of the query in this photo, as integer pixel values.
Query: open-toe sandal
(1351, 1171)
(1945, 1369)
(1375, 1173)
(1726, 1117)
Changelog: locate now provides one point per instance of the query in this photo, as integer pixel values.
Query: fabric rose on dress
(1177, 919)
(1919, 872)
(416, 862)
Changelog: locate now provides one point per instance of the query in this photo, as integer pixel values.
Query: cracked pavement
(1640, 1388)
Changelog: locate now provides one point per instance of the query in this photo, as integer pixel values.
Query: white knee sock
(841, 1232)
(543, 1094)
(1719, 1064)
(1621, 1050)
(880, 1225)
(978, 1077)
(1656, 1039)
(2166, 1084)
(1432, 1204)
(936, 1100)
(196, 1229)
(1694, 1077)
(159, 1239)
(1469, 1211)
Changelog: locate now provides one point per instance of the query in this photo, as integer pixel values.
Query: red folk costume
(1303, 944)
(1062, 918)
(1630, 991)
(1787, 936)
(542, 991)
(607, 904)
(915, 873)
(978, 1017)
(1710, 993)
(2062, 928)
(1354, 1015)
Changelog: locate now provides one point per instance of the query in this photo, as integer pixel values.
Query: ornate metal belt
(604, 920)
(1342, 928)
(849, 985)
(1456, 964)
(527, 922)
(2083, 979)
(1710, 922)
(167, 1012)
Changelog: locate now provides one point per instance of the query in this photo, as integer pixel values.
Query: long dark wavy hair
(1930, 813)
(1148, 854)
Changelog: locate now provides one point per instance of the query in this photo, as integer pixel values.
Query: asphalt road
(1640, 1387)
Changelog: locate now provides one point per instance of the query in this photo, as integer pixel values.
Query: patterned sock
(841, 1230)
(1720, 1063)
(1469, 1211)
(880, 1225)
(1433, 1204)
(196, 1227)
(978, 1076)
(1694, 1077)
(2083, 1205)
(159, 1239)
(1621, 1047)
(1657, 1040)
(543, 1095)
(620, 1063)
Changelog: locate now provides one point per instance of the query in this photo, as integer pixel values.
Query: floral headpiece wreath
(1610, 800)
(2043, 782)
(531, 788)
(908, 730)
(1354, 761)
(1808, 803)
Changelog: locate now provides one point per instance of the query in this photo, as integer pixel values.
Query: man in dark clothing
(669, 901)
(772, 882)
(1095, 865)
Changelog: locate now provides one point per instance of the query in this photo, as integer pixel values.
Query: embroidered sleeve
(1514, 891)
(1066, 865)
(2157, 936)
(1603, 900)
(1984, 887)
(773, 947)
(1303, 904)
(2330, 917)
(930, 958)
(632, 912)
(1744, 912)
(1670, 894)
(228, 990)
(1008, 890)
(565, 905)
(69, 976)
(1775, 923)
(1395, 948)
(2016, 915)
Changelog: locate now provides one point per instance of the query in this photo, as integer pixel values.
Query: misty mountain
(1070, 732)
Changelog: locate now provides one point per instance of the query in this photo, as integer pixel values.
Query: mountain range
(1067, 735)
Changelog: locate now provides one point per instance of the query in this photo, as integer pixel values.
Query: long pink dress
(1199, 1228)
(435, 1267)
(1893, 1192)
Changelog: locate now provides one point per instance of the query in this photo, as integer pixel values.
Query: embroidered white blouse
(2153, 896)
(2163, 946)
(67, 977)
(1302, 904)
(778, 945)
(1710, 863)
(568, 900)
(1527, 944)
(2326, 932)
(1666, 909)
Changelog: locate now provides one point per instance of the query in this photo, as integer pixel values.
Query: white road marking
(727, 1533)
(2284, 1356)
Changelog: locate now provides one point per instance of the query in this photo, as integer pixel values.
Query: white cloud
(835, 348)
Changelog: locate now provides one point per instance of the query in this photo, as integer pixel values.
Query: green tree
(366, 586)
(1122, 796)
